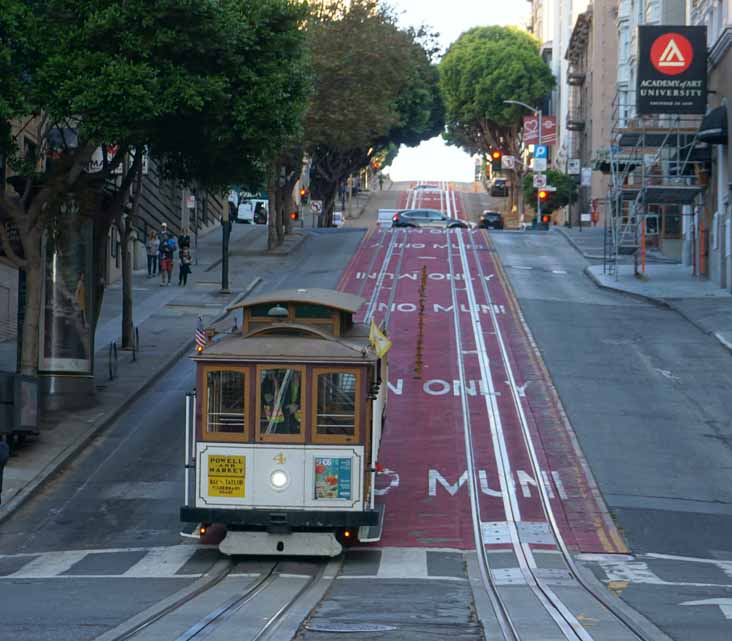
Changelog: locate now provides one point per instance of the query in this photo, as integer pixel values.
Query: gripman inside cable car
(283, 431)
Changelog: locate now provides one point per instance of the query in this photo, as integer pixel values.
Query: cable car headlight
(279, 479)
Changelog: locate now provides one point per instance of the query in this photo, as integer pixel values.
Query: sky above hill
(433, 159)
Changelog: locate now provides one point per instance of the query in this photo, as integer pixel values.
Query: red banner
(548, 130)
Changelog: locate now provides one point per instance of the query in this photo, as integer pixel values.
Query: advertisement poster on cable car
(226, 476)
(332, 478)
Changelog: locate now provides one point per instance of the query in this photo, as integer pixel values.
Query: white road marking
(669, 375)
(50, 564)
(558, 271)
(161, 562)
(724, 604)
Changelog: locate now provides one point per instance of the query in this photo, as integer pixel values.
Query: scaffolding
(655, 161)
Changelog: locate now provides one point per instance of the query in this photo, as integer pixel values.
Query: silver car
(426, 218)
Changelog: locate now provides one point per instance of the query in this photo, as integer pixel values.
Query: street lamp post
(539, 117)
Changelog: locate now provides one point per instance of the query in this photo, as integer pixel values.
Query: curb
(71, 451)
(279, 251)
(663, 303)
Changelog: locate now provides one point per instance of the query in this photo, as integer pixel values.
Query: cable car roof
(273, 345)
(312, 296)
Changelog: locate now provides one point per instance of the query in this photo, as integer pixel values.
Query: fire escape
(654, 162)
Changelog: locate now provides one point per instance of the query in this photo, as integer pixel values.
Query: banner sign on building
(548, 130)
(672, 70)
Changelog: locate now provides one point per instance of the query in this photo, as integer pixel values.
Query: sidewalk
(166, 318)
(699, 301)
(588, 241)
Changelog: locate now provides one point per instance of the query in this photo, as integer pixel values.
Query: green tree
(482, 69)
(566, 191)
(212, 89)
(374, 86)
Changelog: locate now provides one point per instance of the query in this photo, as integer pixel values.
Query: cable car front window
(225, 401)
(336, 414)
(280, 401)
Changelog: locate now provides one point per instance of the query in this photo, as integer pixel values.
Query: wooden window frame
(336, 438)
(227, 437)
(280, 438)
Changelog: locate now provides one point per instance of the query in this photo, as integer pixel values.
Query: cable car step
(372, 533)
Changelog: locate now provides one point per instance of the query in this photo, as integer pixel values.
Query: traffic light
(546, 219)
(496, 158)
(543, 195)
(304, 195)
(294, 215)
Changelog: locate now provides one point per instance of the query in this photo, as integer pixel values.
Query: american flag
(201, 338)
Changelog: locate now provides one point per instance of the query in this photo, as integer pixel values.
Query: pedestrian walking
(4, 456)
(167, 251)
(184, 240)
(153, 251)
(381, 182)
(185, 266)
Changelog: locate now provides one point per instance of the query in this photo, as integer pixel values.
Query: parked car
(490, 220)
(499, 187)
(426, 218)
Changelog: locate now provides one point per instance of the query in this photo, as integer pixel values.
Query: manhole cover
(349, 627)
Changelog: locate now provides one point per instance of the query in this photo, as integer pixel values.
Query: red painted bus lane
(407, 278)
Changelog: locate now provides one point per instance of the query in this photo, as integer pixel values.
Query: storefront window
(280, 401)
(225, 402)
(336, 404)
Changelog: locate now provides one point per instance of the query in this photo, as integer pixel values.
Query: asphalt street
(647, 394)
(120, 499)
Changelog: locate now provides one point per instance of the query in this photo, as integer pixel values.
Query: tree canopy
(375, 85)
(213, 89)
(566, 190)
(484, 67)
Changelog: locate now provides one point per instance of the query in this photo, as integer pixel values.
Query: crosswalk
(192, 561)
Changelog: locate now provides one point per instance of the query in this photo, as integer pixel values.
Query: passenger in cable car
(281, 399)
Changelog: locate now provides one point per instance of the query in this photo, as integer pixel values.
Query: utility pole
(226, 219)
(538, 200)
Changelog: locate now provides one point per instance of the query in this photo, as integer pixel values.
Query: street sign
(672, 69)
(509, 162)
(573, 167)
(549, 188)
(539, 164)
(586, 180)
(548, 130)
(539, 181)
(316, 206)
(541, 151)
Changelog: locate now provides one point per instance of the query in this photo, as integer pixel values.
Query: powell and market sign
(672, 70)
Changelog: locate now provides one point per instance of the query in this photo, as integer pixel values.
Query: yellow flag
(379, 340)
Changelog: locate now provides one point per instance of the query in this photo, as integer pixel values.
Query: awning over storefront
(713, 129)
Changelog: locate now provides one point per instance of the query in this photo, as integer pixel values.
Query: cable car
(283, 431)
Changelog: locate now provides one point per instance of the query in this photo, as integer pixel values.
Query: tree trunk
(273, 215)
(128, 325)
(29, 349)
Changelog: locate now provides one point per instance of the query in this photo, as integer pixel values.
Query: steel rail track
(577, 631)
(376, 293)
(267, 630)
(205, 587)
(411, 196)
(562, 617)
